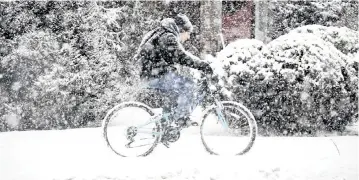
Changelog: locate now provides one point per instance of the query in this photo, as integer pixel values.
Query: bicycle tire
(249, 116)
(118, 107)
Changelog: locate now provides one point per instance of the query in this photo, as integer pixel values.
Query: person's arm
(177, 54)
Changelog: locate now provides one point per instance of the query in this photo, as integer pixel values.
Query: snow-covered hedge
(73, 68)
(343, 38)
(288, 15)
(298, 83)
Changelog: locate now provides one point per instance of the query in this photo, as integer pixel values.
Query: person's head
(185, 26)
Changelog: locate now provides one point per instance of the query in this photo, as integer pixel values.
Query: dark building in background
(231, 19)
(237, 20)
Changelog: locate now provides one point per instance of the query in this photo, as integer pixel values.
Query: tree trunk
(210, 28)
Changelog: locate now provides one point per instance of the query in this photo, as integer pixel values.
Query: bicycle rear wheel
(130, 129)
(233, 136)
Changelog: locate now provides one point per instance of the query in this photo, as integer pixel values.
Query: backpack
(140, 57)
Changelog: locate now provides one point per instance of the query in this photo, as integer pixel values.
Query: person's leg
(164, 86)
(176, 95)
(165, 96)
(186, 100)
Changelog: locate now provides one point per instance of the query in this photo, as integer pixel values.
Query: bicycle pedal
(166, 144)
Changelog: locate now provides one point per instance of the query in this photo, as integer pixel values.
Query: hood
(170, 25)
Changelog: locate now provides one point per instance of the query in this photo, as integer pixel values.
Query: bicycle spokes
(132, 132)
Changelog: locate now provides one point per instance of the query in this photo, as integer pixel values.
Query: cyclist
(159, 51)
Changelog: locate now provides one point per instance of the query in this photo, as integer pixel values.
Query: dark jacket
(160, 49)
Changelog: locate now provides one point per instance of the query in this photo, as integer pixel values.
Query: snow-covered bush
(73, 68)
(19, 18)
(319, 82)
(232, 60)
(28, 61)
(288, 15)
(344, 39)
(296, 84)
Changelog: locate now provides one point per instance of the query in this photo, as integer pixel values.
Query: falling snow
(64, 65)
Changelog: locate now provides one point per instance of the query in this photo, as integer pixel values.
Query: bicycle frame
(205, 86)
(217, 102)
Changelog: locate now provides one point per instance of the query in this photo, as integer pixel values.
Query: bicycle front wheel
(130, 129)
(229, 131)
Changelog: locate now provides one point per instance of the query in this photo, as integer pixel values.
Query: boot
(186, 122)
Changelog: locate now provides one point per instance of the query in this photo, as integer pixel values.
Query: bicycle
(162, 127)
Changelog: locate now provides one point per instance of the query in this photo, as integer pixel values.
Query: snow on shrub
(31, 58)
(288, 15)
(321, 73)
(296, 84)
(70, 78)
(344, 39)
(233, 59)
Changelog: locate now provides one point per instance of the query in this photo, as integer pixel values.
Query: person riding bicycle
(159, 52)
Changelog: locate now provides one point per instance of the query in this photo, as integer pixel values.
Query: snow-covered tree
(71, 66)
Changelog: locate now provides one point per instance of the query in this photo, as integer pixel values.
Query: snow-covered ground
(81, 154)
